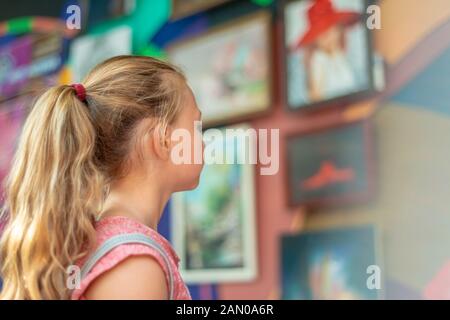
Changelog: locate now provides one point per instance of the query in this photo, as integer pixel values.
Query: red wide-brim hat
(322, 16)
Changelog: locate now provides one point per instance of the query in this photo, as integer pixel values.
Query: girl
(93, 162)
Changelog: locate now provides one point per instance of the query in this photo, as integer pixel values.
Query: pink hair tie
(80, 90)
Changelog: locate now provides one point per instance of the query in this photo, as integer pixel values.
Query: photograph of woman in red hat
(327, 50)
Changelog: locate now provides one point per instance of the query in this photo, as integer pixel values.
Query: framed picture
(331, 265)
(328, 52)
(103, 10)
(14, 57)
(13, 113)
(331, 166)
(27, 59)
(12, 117)
(183, 8)
(229, 69)
(89, 50)
(214, 225)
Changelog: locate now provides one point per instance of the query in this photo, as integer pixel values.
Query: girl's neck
(141, 202)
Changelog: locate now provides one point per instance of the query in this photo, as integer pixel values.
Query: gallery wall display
(331, 166)
(214, 225)
(328, 60)
(331, 264)
(229, 69)
(183, 8)
(328, 52)
(89, 50)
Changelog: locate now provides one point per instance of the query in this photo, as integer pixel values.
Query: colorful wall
(411, 120)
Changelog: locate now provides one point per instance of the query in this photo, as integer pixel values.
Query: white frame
(249, 271)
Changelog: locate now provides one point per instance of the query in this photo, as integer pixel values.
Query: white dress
(333, 73)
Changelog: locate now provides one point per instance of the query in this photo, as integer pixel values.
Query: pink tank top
(112, 226)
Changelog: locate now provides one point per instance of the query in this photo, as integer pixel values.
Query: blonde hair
(68, 154)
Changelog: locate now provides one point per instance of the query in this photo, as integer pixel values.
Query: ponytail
(53, 192)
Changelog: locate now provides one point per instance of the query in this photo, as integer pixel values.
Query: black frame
(356, 197)
(336, 101)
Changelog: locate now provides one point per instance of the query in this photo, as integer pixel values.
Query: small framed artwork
(214, 225)
(331, 166)
(332, 264)
(13, 113)
(15, 57)
(328, 52)
(184, 8)
(229, 69)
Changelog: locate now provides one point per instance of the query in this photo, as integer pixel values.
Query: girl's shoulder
(112, 226)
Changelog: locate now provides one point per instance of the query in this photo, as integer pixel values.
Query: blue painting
(332, 166)
(329, 265)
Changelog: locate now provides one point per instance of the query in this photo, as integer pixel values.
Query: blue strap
(128, 238)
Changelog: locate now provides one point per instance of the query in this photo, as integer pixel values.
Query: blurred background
(359, 91)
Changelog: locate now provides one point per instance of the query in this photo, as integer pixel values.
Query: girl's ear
(161, 141)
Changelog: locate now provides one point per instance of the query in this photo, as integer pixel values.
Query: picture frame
(332, 264)
(229, 69)
(184, 8)
(332, 81)
(104, 10)
(213, 226)
(13, 114)
(26, 60)
(331, 166)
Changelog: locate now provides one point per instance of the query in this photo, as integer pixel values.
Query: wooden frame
(242, 204)
(357, 195)
(13, 114)
(183, 8)
(179, 53)
(336, 101)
